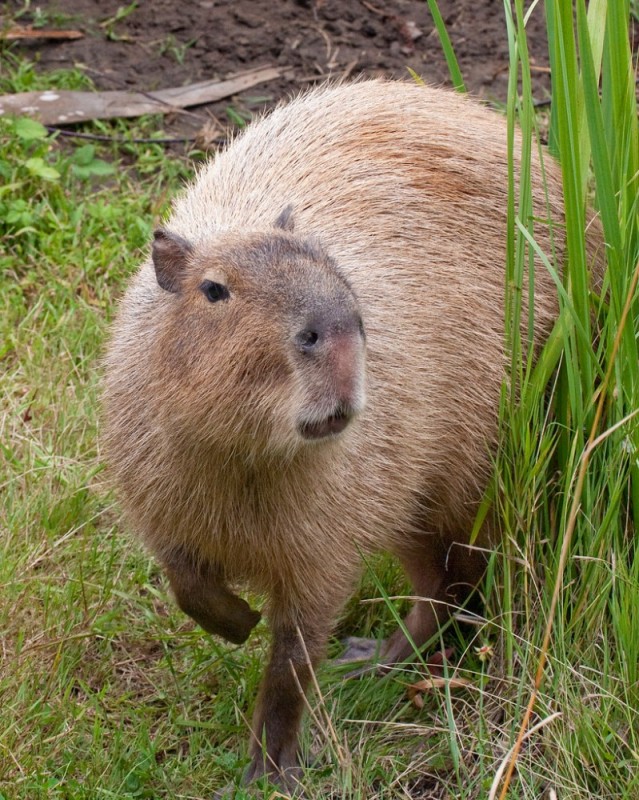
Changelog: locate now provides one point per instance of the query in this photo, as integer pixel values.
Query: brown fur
(398, 196)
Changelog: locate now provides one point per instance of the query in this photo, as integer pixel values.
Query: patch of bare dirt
(161, 44)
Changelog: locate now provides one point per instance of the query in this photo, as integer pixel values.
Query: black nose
(306, 340)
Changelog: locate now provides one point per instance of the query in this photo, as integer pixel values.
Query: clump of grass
(568, 477)
(75, 632)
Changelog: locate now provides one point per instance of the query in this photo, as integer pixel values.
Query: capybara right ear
(285, 219)
(170, 253)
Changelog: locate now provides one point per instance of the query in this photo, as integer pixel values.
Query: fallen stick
(14, 34)
(53, 107)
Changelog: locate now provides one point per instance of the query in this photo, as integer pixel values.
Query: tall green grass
(567, 467)
(565, 591)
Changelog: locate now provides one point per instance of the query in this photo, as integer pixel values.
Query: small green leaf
(7, 188)
(5, 170)
(100, 167)
(235, 117)
(29, 129)
(19, 214)
(84, 155)
(38, 166)
(97, 167)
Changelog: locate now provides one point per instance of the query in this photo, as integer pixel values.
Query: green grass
(109, 692)
(568, 509)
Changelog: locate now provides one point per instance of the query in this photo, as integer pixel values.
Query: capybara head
(261, 346)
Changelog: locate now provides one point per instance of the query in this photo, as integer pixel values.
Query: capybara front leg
(201, 593)
(280, 703)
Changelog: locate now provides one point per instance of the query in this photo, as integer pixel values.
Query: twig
(379, 11)
(14, 34)
(149, 95)
(502, 766)
(119, 139)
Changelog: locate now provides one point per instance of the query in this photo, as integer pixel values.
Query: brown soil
(164, 43)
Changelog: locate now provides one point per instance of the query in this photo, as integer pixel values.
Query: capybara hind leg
(425, 568)
(201, 593)
(443, 576)
(420, 624)
(276, 721)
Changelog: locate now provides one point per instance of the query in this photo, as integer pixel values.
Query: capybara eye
(214, 291)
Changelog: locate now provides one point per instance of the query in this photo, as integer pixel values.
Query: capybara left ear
(170, 253)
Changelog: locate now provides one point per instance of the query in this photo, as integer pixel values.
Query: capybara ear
(285, 219)
(170, 253)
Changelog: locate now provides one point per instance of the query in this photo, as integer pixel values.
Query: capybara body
(308, 369)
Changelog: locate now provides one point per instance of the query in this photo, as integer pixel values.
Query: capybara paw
(285, 776)
(238, 628)
(233, 622)
(356, 648)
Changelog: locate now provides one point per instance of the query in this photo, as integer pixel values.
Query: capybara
(308, 367)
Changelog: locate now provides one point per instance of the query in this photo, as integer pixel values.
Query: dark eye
(214, 291)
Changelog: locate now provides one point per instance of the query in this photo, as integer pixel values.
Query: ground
(160, 44)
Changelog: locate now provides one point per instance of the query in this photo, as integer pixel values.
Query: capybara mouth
(329, 426)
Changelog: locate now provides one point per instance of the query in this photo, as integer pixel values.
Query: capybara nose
(319, 333)
(307, 340)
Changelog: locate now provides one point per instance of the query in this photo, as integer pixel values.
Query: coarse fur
(376, 202)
